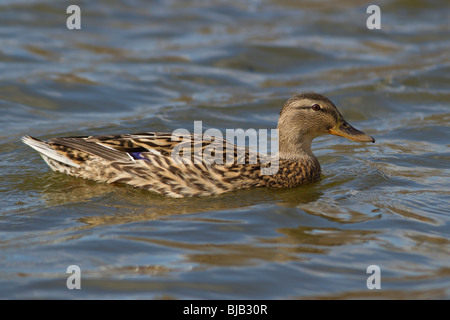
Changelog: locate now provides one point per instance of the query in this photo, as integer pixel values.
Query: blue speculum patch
(137, 156)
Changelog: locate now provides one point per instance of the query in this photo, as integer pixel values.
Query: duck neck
(295, 147)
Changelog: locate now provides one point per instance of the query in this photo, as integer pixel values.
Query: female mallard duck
(144, 160)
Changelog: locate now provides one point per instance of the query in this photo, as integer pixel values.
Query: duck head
(309, 115)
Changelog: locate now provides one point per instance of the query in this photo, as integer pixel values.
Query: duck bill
(344, 129)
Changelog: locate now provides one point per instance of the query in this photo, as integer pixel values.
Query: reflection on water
(141, 205)
(137, 66)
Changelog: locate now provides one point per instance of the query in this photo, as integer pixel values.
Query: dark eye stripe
(330, 112)
(309, 107)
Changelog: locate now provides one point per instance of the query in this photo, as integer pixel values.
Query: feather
(46, 151)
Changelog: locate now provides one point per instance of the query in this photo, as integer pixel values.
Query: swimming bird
(146, 160)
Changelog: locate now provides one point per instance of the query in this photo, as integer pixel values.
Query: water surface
(161, 65)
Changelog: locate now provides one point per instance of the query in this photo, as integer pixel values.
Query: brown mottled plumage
(146, 160)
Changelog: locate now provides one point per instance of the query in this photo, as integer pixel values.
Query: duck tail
(47, 151)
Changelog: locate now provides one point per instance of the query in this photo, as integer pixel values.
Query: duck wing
(191, 148)
(177, 166)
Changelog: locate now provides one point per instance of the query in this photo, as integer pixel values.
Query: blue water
(157, 66)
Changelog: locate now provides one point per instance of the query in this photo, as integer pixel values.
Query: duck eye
(316, 107)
